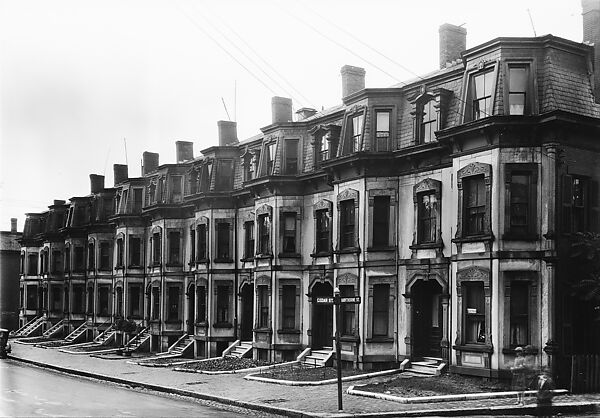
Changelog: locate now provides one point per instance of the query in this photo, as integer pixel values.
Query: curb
(166, 389)
(256, 376)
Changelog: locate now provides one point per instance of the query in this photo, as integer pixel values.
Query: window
(176, 189)
(192, 246)
(324, 146)
(223, 229)
(123, 202)
(201, 247)
(263, 306)
(32, 264)
(270, 150)
(519, 313)
(427, 122)
(518, 77)
(579, 196)
(201, 296)
(223, 304)
(291, 156)
(45, 260)
(56, 261)
(323, 231)
(248, 239)
(56, 304)
(355, 132)
(120, 253)
(381, 296)
(135, 251)
(347, 224)
(520, 203)
(119, 298)
(264, 234)
(481, 89)
(138, 199)
(79, 259)
(382, 130)
(90, 300)
(381, 221)
(32, 297)
(288, 307)
(348, 311)
(78, 299)
(156, 248)
(104, 256)
(135, 301)
(173, 300)
(103, 301)
(174, 247)
(289, 232)
(68, 259)
(427, 217)
(155, 303)
(474, 313)
(224, 179)
(91, 256)
(474, 205)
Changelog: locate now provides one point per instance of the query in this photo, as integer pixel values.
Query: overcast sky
(77, 77)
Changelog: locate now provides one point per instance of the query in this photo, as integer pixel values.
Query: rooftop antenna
(235, 100)
(125, 143)
(225, 106)
(531, 20)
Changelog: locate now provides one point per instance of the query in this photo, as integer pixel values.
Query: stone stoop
(32, 328)
(181, 346)
(243, 349)
(431, 366)
(319, 358)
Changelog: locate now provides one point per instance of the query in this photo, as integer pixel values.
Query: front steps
(32, 328)
(239, 349)
(181, 346)
(139, 340)
(319, 358)
(432, 366)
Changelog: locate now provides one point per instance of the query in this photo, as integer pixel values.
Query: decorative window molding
(325, 141)
(223, 240)
(520, 201)
(264, 223)
(465, 277)
(388, 224)
(427, 219)
(322, 222)
(202, 239)
(348, 220)
(290, 224)
(429, 113)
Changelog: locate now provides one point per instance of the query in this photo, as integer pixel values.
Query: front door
(427, 318)
(191, 319)
(247, 295)
(322, 317)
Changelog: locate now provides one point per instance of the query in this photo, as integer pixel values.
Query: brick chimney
(13, 225)
(184, 151)
(120, 173)
(591, 33)
(227, 132)
(149, 162)
(96, 183)
(281, 109)
(353, 79)
(305, 112)
(453, 41)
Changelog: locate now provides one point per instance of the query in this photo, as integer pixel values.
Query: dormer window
(291, 156)
(480, 92)
(270, 150)
(519, 88)
(427, 122)
(224, 180)
(430, 108)
(176, 189)
(355, 132)
(382, 130)
(323, 150)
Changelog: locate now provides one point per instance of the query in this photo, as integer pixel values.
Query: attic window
(480, 93)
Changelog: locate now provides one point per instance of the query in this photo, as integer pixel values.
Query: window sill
(263, 256)
(511, 350)
(173, 321)
(380, 340)
(289, 255)
(223, 260)
(134, 266)
(263, 330)
(474, 238)
(223, 325)
(388, 248)
(520, 237)
(351, 338)
(117, 268)
(427, 246)
(288, 331)
(202, 261)
(475, 348)
(202, 324)
(321, 254)
(349, 250)
(247, 259)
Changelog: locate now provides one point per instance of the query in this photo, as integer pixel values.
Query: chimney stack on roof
(281, 109)
(305, 112)
(353, 79)
(149, 162)
(13, 225)
(591, 33)
(120, 173)
(453, 41)
(58, 202)
(96, 183)
(227, 132)
(184, 151)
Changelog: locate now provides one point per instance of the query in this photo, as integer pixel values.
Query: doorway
(247, 319)
(427, 321)
(191, 319)
(322, 317)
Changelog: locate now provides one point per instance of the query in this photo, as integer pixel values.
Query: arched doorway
(247, 318)
(322, 317)
(191, 317)
(427, 318)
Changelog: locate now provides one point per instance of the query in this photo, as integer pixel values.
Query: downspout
(273, 298)
(398, 294)
(235, 273)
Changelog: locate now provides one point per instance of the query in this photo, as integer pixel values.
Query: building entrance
(247, 319)
(427, 321)
(191, 319)
(322, 317)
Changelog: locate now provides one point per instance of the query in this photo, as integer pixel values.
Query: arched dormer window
(429, 112)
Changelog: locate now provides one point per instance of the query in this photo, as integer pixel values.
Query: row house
(445, 203)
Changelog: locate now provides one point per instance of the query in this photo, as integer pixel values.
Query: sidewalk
(303, 401)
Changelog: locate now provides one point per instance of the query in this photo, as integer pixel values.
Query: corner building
(445, 203)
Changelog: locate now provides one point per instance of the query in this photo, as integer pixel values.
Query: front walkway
(290, 400)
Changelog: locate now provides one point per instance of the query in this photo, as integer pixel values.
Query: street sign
(353, 299)
(324, 301)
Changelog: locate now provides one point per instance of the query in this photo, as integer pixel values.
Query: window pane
(381, 221)
(381, 295)
(288, 299)
(383, 121)
(474, 313)
(519, 313)
(291, 156)
(518, 79)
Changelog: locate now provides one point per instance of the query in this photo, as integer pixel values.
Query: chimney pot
(13, 225)
(120, 172)
(453, 41)
(58, 202)
(281, 109)
(149, 162)
(305, 112)
(591, 34)
(353, 79)
(227, 132)
(96, 183)
(184, 151)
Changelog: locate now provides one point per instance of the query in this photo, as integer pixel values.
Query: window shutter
(594, 206)
(567, 202)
